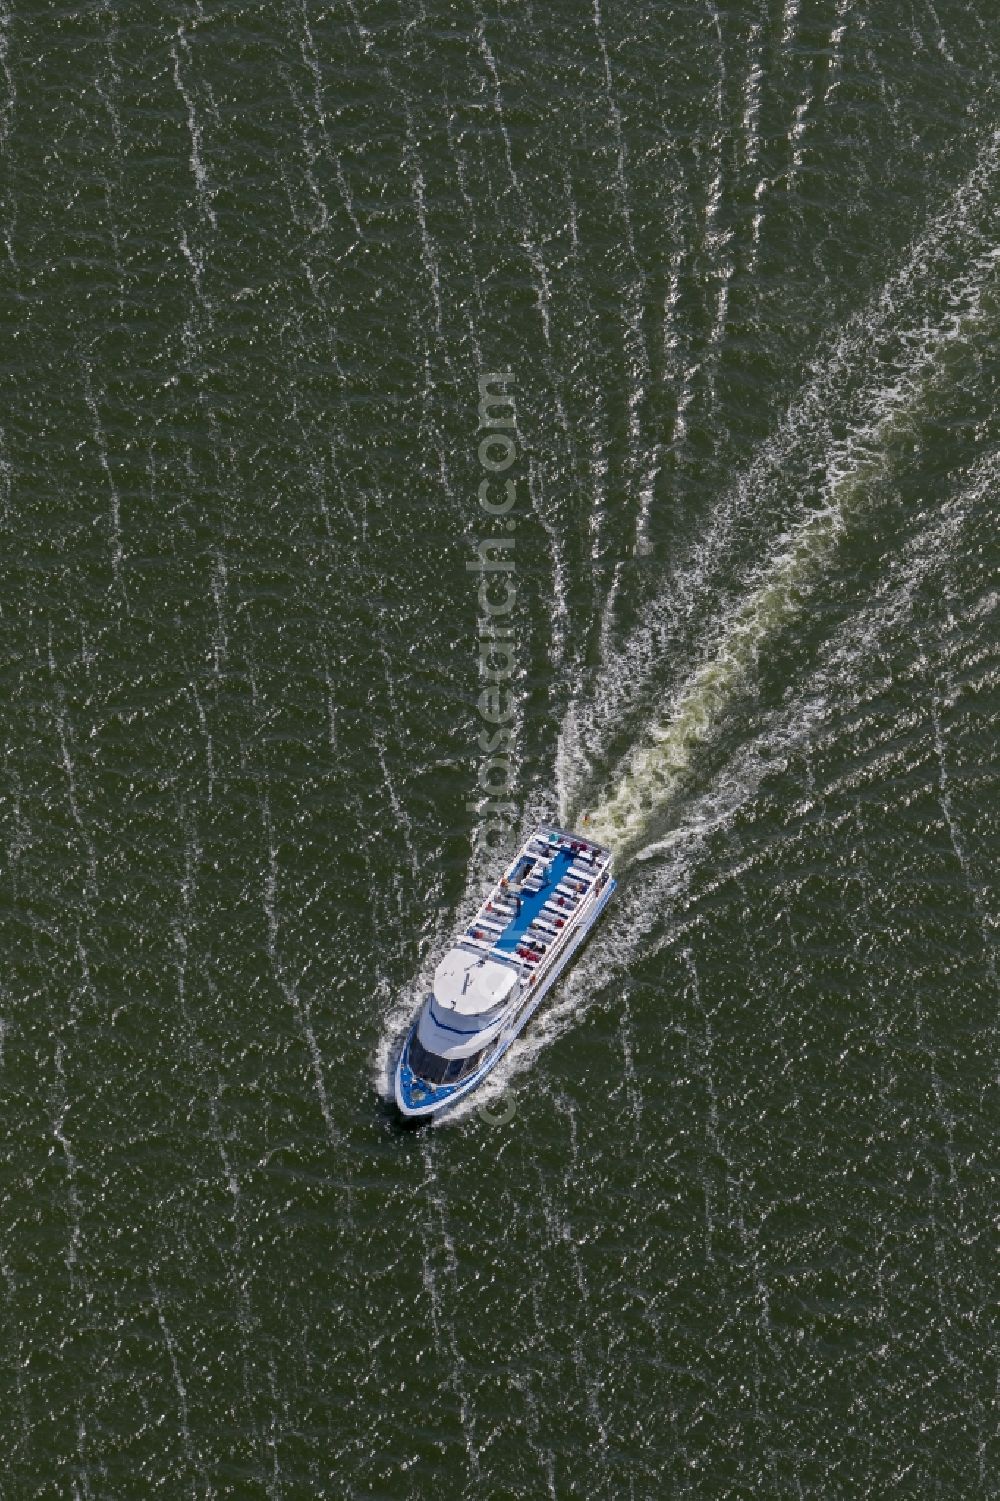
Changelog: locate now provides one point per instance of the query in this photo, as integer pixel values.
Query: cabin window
(461, 1068)
(434, 1069)
(426, 1065)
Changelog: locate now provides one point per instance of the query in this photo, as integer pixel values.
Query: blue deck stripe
(533, 903)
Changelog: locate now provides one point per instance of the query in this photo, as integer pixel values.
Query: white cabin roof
(469, 983)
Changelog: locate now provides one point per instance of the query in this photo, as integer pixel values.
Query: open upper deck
(534, 903)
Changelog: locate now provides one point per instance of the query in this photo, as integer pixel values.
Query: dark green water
(729, 1229)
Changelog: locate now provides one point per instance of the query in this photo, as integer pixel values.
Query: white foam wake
(906, 366)
(855, 385)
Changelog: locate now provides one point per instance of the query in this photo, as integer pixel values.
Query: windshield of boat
(434, 1069)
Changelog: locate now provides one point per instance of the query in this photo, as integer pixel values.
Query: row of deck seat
(546, 928)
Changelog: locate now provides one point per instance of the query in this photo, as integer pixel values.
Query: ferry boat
(500, 967)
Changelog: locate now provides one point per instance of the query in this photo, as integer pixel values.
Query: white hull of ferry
(500, 968)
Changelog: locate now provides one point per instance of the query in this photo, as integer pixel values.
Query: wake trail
(906, 365)
(894, 323)
(658, 906)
